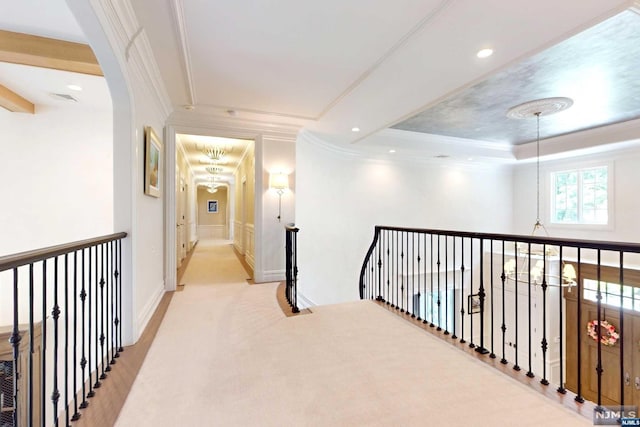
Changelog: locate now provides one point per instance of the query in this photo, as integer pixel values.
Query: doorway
(617, 386)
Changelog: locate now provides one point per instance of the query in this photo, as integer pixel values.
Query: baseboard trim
(304, 302)
(149, 310)
(243, 261)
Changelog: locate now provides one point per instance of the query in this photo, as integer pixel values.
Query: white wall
(626, 201)
(57, 175)
(278, 155)
(340, 197)
(139, 100)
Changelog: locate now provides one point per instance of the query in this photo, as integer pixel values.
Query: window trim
(550, 200)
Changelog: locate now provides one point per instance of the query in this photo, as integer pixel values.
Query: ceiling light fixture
(214, 170)
(537, 275)
(538, 108)
(77, 88)
(216, 153)
(484, 53)
(355, 129)
(392, 151)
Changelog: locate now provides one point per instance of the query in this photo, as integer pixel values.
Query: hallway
(226, 355)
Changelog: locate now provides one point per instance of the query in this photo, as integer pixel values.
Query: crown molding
(132, 45)
(380, 155)
(595, 140)
(183, 36)
(233, 127)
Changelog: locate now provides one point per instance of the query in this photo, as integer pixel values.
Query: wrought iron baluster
(43, 348)
(561, 388)
(380, 252)
(470, 308)
(424, 283)
(621, 326)
(453, 273)
(103, 374)
(388, 265)
(599, 369)
(503, 327)
(516, 367)
(420, 295)
(439, 328)
(579, 397)
(462, 340)
(119, 275)
(66, 338)
(55, 314)
(481, 295)
(76, 414)
(402, 272)
(31, 349)
(112, 345)
(446, 285)
(15, 344)
(529, 372)
(96, 344)
(431, 294)
(545, 344)
(413, 276)
(491, 273)
(83, 343)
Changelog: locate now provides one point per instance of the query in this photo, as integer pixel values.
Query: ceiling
(333, 65)
(402, 72)
(194, 147)
(40, 85)
(597, 69)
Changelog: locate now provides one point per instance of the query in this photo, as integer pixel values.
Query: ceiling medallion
(539, 107)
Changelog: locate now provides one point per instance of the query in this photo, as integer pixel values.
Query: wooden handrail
(23, 258)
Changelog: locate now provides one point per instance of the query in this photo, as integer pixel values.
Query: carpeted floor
(226, 355)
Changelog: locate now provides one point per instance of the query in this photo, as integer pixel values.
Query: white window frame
(550, 195)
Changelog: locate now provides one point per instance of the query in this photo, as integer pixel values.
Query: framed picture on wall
(212, 206)
(152, 162)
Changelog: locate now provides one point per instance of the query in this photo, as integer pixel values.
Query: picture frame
(473, 304)
(212, 206)
(152, 163)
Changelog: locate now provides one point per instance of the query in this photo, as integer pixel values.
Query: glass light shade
(279, 181)
(510, 266)
(569, 272)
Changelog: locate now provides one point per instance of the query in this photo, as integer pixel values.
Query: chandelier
(214, 170)
(215, 153)
(537, 274)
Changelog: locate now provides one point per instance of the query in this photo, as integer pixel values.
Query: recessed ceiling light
(470, 159)
(392, 151)
(484, 53)
(77, 88)
(355, 129)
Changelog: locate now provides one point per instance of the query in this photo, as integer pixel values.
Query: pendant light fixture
(538, 108)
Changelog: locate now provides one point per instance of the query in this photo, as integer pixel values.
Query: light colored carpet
(225, 355)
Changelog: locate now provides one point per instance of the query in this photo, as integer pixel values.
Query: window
(580, 196)
(611, 294)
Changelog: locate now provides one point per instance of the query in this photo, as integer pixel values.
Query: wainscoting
(248, 234)
(213, 232)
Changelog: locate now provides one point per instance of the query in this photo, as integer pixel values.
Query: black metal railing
(65, 328)
(291, 266)
(561, 309)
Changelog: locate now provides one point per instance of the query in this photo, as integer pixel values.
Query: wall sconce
(280, 182)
